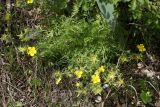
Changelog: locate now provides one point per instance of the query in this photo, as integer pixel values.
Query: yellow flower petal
(29, 48)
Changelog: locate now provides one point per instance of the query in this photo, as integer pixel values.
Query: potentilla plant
(90, 76)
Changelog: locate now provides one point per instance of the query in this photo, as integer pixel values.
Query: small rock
(105, 86)
(140, 65)
(147, 72)
(98, 99)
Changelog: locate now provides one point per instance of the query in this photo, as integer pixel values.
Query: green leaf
(146, 97)
(143, 85)
(107, 9)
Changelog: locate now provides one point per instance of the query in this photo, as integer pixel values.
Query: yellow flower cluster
(29, 1)
(78, 73)
(141, 48)
(31, 51)
(95, 77)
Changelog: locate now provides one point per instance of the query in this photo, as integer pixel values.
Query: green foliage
(73, 35)
(107, 10)
(75, 49)
(146, 97)
(84, 7)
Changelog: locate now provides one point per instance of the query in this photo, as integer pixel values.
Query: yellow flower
(78, 73)
(58, 80)
(141, 48)
(101, 69)
(29, 1)
(95, 78)
(31, 51)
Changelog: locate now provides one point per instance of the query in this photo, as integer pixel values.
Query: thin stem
(106, 98)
